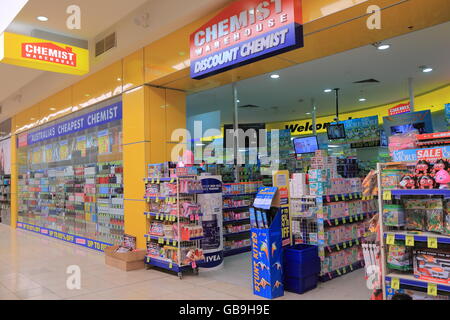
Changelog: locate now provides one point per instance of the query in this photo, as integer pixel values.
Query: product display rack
(237, 197)
(82, 200)
(166, 209)
(5, 199)
(311, 224)
(394, 280)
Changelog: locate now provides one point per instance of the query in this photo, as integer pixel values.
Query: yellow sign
(409, 241)
(432, 289)
(395, 283)
(390, 239)
(432, 243)
(42, 54)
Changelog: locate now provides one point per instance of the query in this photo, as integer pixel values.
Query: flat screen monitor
(336, 131)
(306, 145)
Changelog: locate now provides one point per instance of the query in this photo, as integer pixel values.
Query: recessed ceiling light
(362, 99)
(52, 109)
(383, 46)
(42, 18)
(238, 101)
(427, 69)
(308, 113)
(119, 79)
(327, 90)
(275, 76)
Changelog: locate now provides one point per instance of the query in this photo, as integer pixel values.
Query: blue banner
(86, 121)
(81, 241)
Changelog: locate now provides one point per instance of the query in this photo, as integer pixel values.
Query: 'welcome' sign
(244, 32)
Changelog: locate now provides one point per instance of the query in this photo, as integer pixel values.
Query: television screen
(306, 145)
(336, 131)
(419, 126)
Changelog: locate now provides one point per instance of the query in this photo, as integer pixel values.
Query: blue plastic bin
(301, 260)
(301, 267)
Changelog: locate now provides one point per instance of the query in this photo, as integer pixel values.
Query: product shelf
(235, 233)
(160, 263)
(421, 192)
(239, 195)
(170, 240)
(234, 251)
(419, 236)
(341, 271)
(343, 197)
(236, 208)
(411, 280)
(343, 245)
(348, 219)
(236, 220)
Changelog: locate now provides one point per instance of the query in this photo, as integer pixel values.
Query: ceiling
(289, 97)
(21, 88)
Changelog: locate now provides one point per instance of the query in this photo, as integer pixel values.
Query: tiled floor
(34, 267)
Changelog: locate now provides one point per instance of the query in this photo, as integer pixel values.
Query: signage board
(42, 54)
(399, 109)
(244, 32)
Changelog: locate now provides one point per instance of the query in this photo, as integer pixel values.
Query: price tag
(344, 270)
(157, 217)
(409, 241)
(357, 242)
(390, 239)
(395, 283)
(160, 240)
(351, 219)
(432, 289)
(170, 265)
(351, 267)
(336, 198)
(337, 247)
(344, 220)
(343, 197)
(174, 243)
(350, 243)
(157, 181)
(432, 243)
(148, 259)
(350, 196)
(148, 200)
(345, 245)
(168, 242)
(146, 180)
(338, 272)
(361, 217)
(153, 180)
(336, 221)
(157, 199)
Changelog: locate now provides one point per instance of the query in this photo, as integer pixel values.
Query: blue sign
(447, 114)
(265, 197)
(86, 121)
(419, 121)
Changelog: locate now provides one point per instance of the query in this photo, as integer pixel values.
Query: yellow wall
(434, 101)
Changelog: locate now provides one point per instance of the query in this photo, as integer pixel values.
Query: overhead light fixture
(238, 101)
(381, 46)
(275, 76)
(362, 99)
(42, 18)
(327, 90)
(426, 69)
(308, 113)
(119, 79)
(52, 109)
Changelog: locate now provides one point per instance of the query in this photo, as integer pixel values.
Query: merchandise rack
(5, 199)
(238, 191)
(394, 279)
(310, 224)
(177, 266)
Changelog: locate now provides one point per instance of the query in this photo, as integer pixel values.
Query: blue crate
(302, 284)
(301, 261)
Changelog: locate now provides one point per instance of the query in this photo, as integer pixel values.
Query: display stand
(428, 271)
(311, 224)
(266, 246)
(237, 198)
(175, 228)
(5, 199)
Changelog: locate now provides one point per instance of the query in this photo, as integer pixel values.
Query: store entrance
(299, 103)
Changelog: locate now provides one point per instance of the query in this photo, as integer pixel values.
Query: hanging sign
(86, 121)
(244, 32)
(42, 54)
(399, 109)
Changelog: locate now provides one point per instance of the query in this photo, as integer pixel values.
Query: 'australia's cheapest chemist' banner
(244, 32)
(86, 121)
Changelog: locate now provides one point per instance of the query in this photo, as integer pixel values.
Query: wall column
(149, 116)
(14, 177)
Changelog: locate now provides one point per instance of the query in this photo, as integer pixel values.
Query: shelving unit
(167, 244)
(237, 197)
(5, 199)
(81, 200)
(422, 240)
(311, 223)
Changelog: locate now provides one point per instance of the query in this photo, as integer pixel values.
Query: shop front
(131, 149)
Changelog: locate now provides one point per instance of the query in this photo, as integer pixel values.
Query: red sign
(399, 109)
(430, 136)
(22, 140)
(49, 52)
(243, 32)
(429, 154)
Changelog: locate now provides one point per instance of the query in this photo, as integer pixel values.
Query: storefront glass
(70, 175)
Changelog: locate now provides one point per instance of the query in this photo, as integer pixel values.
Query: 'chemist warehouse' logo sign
(244, 32)
(49, 52)
(89, 120)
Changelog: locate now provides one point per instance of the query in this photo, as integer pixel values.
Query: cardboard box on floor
(126, 261)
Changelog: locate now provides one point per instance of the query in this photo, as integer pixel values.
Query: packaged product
(399, 258)
(394, 215)
(435, 221)
(416, 220)
(432, 264)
